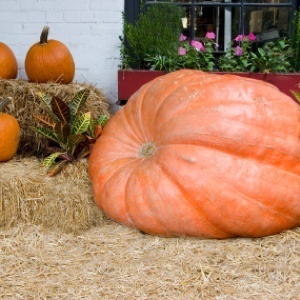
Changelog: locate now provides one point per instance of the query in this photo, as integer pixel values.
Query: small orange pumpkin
(9, 134)
(8, 63)
(49, 61)
(199, 154)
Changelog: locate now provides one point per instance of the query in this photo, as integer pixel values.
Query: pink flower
(238, 51)
(210, 35)
(198, 45)
(239, 38)
(251, 37)
(181, 51)
(182, 38)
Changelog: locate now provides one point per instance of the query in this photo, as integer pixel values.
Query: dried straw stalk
(112, 262)
(64, 202)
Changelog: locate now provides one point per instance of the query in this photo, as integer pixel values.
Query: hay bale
(26, 104)
(63, 202)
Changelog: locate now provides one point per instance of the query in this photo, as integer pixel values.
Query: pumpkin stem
(44, 35)
(3, 103)
(147, 150)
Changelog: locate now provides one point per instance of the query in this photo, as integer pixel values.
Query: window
(267, 19)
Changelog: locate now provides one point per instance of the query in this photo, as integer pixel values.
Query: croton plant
(72, 130)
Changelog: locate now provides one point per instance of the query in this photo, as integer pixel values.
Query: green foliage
(273, 57)
(194, 55)
(296, 40)
(156, 32)
(296, 94)
(238, 56)
(72, 130)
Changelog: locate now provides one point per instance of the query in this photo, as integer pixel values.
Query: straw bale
(25, 104)
(64, 202)
(112, 262)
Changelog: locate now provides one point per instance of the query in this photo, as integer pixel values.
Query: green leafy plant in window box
(72, 131)
(296, 40)
(190, 54)
(273, 57)
(156, 32)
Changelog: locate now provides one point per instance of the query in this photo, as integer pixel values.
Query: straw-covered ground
(56, 244)
(111, 262)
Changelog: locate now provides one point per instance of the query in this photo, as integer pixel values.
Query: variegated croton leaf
(61, 109)
(72, 129)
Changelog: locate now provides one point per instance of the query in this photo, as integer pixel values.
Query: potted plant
(276, 61)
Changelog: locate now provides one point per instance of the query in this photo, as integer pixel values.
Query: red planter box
(129, 81)
(285, 82)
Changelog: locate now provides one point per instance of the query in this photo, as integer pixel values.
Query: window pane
(268, 22)
(224, 22)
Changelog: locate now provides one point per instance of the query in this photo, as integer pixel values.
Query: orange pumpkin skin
(9, 136)
(49, 61)
(203, 155)
(8, 63)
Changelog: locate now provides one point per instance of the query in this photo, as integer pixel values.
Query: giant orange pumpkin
(49, 60)
(8, 63)
(9, 134)
(203, 155)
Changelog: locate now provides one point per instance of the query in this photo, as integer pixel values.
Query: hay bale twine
(25, 104)
(63, 202)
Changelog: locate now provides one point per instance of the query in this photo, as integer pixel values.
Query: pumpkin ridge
(150, 205)
(268, 142)
(145, 203)
(137, 129)
(110, 179)
(232, 153)
(146, 90)
(258, 203)
(65, 67)
(196, 85)
(130, 217)
(225, 119)
(43, 71)
(171, 92)
(143, 111)
(199, 212)
(57, 65)
(267, 210)
(226, 187)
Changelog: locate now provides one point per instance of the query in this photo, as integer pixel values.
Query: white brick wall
(89, 28)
